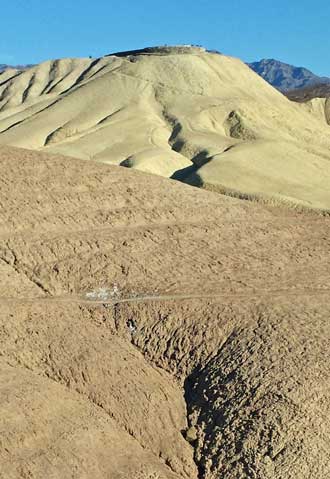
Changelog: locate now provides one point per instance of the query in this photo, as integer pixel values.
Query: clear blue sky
(293, 31)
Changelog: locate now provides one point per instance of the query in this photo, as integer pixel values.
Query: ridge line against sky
(34, 31)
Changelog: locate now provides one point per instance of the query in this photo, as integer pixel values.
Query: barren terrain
(204, 118)
(152, 330)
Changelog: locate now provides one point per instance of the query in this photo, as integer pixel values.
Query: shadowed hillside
(308, 93)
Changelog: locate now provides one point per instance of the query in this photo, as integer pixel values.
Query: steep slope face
(39, 82)
(255, 407)
(145, 323)
(48, 430)
(286, 77)
(201, 117)
(315, 99)
(319, 107)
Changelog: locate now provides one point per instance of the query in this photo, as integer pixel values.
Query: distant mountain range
(3, 67)
(286, 77)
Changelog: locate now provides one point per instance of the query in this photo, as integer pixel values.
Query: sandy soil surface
(153, 330)
(205, 118)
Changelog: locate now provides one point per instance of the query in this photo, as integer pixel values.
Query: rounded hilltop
(162, 50)
(177, 111)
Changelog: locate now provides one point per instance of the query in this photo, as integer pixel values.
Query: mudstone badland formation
(164, 258)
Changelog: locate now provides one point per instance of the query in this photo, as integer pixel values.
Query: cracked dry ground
(220, 336)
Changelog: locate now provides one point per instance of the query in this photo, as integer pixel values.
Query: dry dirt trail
(152, 330)
(111, 301)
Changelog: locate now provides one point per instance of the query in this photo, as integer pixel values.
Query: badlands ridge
(201, 117)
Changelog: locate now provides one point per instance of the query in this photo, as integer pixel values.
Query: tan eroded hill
(203, 117)
(153, 330)
(320, 107)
